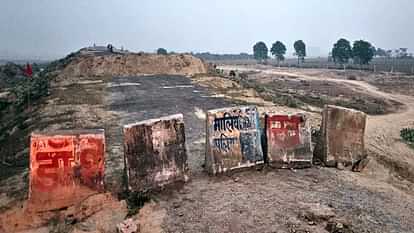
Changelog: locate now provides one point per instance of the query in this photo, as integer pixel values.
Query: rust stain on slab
(155, 153)
(288, 141)
(342, 136)
(233, 139)
(65, 168)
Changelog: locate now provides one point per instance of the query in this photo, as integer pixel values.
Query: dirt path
(354, 84)
(383, 132)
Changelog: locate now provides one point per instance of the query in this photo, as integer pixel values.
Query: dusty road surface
(134, 99)
(263, 200)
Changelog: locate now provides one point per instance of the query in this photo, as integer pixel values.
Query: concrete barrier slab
(342, 136)
(155, 153)
(65, 168)
(233, 139)
(288, 141)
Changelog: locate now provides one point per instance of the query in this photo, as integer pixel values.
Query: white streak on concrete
(123, 84)
(200, 114)
(89, 82)
(177, 86)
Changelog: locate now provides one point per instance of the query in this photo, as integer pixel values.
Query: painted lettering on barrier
(288, 141)
(229, 127)
(285, 130)
(224, 143)
(53, 161)
(64, 164)
(91, 161)
(234, 141)
(230, 123)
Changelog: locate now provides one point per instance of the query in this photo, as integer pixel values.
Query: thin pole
(28, 95)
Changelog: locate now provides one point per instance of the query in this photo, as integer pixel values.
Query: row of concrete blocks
(235, 139)
(68, 166)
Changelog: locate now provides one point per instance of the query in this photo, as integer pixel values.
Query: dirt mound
(134, 64)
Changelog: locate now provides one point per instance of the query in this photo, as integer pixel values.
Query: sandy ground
(262, 200)
(383, 131)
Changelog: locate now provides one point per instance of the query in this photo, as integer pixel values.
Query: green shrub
(407, 134)
(35, 87)
(136, 201)
(286, 100)
(352, 77)
(3, 105)
(162, 51)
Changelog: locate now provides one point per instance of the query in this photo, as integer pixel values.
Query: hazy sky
(53, 28)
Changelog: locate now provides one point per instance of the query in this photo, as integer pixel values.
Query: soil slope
(134, 64)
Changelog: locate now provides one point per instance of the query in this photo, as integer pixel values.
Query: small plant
(30, 88)
(407, 134)
(286, 100)
(162, 51)
(352, 77)
(135, 201)
(243, 75)
(3, 105)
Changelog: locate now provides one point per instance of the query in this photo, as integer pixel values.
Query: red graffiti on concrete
(91, 161)
(65, 164)
(52, 160)
(284, 130)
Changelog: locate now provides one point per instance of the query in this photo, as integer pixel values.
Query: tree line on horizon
(260, 51)
(361, 52)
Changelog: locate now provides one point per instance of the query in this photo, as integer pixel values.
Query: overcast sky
(53, 28)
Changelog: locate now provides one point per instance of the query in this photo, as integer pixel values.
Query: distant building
(96, 50)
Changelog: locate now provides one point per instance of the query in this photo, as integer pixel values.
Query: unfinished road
(133, 99)
(265, 200)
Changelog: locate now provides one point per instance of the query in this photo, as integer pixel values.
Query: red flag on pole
(28, 71)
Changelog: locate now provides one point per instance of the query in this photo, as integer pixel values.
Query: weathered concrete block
(288, 141)
(233, 139)
(65, 168)
(342, 136)
(155, 153)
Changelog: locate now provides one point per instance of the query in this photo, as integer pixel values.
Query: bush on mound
(407, 134)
